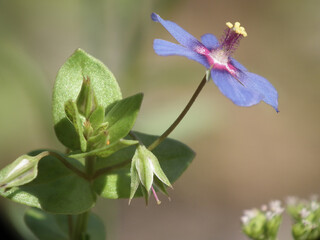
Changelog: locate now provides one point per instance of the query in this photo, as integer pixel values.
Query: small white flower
(275, 207)
(248, 215)
(314, 205)
(264, 208)
(245, 220)
(270, 215)
(306, 223)
(304, 213)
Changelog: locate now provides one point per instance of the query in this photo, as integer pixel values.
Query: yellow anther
(229, 24)
(237, 28)
(243, 31)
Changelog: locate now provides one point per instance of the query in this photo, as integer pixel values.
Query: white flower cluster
(270, 211)
(248, 215)
(275, 209)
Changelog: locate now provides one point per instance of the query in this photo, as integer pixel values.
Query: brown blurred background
(245, 156)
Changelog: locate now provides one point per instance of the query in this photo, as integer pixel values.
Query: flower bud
(146, 171)
(86, 101)
(23, 170)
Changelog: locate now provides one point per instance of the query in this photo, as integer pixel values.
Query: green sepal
(273, 226)
(23, 170)
(173, 156)
(56, 189)
(87, 129)
(161, 186)
(255, 229)
(68, 85)
(98, 141)
(301, 232)
(97, 117)
(46, 226)
(145, 194)
(142, 162)
(74, 117)
(122, 115)
(135, 181)
(86, 100)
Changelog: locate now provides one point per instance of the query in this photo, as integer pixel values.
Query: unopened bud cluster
(263, 224)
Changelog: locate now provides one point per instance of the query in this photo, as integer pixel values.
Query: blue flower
(242, 87)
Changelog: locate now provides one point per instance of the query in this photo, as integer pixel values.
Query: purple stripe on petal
(181, 35)
(231, 88)
(165, 48)
(264, 87)
(209, 41)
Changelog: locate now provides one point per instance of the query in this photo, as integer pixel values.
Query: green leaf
(122, 116)
(97, 117)
(174, 158)
(68, 85)
(47, 226)
(74, 116)
(23, 170)
(56, 189)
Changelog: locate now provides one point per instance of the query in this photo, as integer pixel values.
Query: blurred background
(245, 156)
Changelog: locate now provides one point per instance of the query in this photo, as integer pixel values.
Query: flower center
(219, 57)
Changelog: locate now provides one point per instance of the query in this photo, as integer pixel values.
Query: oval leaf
(51, 189)
(174, 158)
(68, 85)
(46, 226)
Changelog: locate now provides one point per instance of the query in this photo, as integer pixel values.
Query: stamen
(229, 24)
(155, 195)
(237, 28)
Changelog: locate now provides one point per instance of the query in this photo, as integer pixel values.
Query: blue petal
(209, 41)
(235, 91)
(263, 86)
(237, 64)
(165, 48)
(181, 35)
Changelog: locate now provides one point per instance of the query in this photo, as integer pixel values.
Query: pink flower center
(219, 58)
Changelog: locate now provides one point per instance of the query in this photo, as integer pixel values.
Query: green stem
(82, 219)
(70, 226)
(67, 164)
(81, 226)
(180, 117)
(89, 164)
